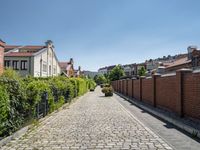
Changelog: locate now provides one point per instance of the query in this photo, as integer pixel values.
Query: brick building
(191, 61)
(2, 46)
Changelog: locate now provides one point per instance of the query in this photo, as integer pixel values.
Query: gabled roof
(22, 51)
(178, 62)
(18, 54)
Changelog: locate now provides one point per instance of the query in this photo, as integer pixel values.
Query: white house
(38, 61)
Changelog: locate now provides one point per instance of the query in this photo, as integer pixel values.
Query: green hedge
(19, 97)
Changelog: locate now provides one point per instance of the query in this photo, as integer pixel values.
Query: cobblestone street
(92, 122)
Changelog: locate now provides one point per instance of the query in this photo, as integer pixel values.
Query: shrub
(4, 109)
(35, 89)
(20, 96)
(15, 88)
(91, 84)
(108, 91)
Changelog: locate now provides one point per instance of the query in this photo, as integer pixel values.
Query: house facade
(2, 46)
(67, 68)
(37, 61)
(130, 69)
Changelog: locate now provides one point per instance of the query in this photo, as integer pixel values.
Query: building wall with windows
(46, 64)
(38, 61)
(19, 64)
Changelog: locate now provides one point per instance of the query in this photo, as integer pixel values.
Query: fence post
(179, 77)
(140, 86)
(127, 87)
(155, 76)
(132, 88)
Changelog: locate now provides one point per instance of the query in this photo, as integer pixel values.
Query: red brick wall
(166, 92)
(179, 93)
(191, 95)
(136, 89)
(147, 90)
(129, 88)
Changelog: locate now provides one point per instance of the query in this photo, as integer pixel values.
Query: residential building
(37, 61)
(2, 46)
(103, 70)
(67, 68)
(106, 70)
(191, 61)
(130, 69)
(90, 73)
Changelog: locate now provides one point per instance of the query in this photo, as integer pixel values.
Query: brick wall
(136, 89)
(179, 93)
(166, 92)
(2, 44)
(191, 95)
(129, 88)
(147, 90)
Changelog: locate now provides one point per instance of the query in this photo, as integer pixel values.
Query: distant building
(103, 70)
(191, 61)
(78, 72)
(130, 69)
(90, 73)
(37, 61)
(67, 68)
(106, 70)
(2, 46)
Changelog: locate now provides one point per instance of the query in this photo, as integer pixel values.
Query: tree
(142, 71)
(116, 73)
(100, 79)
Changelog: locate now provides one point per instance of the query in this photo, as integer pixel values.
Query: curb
(165, 117)
(15, 135)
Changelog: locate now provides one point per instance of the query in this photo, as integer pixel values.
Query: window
(7, 63)
(44, 67)
(15, 65)
(24, 65)
(50, 70)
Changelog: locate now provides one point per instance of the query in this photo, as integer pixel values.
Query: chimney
(2, 46)
(190, 50)
(71, 61)
(49, 43)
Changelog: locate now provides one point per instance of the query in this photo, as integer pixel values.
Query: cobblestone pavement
(92, 122)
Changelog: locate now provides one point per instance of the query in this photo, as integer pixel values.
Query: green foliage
(100, 79)
(35, 89)
(20, 96)
(116, 73)
(107, 90)
(82, 86)
(142, 71)
(91, 84)
(4, 109)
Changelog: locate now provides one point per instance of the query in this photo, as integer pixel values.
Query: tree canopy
(116, 73)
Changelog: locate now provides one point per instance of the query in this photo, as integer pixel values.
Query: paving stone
(92, 122)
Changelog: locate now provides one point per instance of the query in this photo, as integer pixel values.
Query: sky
(98, 33)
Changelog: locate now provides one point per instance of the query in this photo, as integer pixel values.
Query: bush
(20, 96)
(108, 91)
(4, 109)
(91, 84)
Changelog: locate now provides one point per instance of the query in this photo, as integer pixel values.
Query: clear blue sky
(97, 33)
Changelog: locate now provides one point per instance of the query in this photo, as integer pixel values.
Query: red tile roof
(19, 54)
(178, 62)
